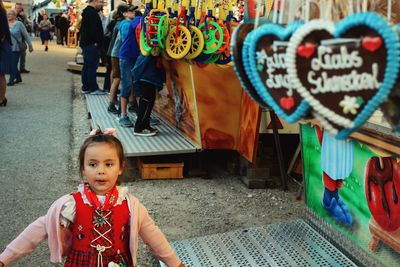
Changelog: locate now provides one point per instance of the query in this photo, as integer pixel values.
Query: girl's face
(129, 15)
(101, 167)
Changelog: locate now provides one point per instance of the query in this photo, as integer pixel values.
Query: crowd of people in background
(16, 29)
(111, 39)
(136, 77)
(14, 43)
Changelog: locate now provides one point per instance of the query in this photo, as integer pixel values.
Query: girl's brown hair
(99, 137)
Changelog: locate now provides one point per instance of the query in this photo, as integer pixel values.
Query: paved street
(35, 144)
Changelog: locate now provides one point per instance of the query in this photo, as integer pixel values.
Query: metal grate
(167, 141)
(341, 242)
(286, 244)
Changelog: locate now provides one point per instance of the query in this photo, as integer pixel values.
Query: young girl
(45, 26)
(99, 224)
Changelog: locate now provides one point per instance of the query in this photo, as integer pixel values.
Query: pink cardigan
(59, 238)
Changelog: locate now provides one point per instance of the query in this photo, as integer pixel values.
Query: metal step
(167, 141)
(292, 243)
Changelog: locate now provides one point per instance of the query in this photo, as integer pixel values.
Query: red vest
(109, 229)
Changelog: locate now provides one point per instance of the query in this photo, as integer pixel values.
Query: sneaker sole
(144, 134)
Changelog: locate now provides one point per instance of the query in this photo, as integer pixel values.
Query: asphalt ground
(34, 144)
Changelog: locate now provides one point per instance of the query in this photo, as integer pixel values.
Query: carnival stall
(335, 71)
(193, 37)
(328, 67)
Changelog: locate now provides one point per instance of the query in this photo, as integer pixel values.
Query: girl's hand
(180, 265)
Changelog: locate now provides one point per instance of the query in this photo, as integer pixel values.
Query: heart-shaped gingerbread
(237, 39)
(352, 70)
(264, 60)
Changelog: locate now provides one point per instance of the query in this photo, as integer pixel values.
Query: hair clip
(107, 131)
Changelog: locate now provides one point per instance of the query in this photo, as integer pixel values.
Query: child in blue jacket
(148, 75)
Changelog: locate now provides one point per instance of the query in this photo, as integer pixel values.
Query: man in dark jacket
(57, 27)
(64, 26)
(91, 41)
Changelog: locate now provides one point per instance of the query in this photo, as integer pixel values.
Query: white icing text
(354, 81)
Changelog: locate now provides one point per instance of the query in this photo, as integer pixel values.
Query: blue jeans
(15, 74)
(91, 58)
(126, 77)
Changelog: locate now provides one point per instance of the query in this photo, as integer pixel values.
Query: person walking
(64, 26)
(5, 53)
(91, 40)
(113, 52)
(57, 27)
(127, 57)
(18, 35)
(149, 77)
(21, 16)
(45, 26)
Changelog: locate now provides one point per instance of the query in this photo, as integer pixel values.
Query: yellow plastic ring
(197, 43)
(178, 47)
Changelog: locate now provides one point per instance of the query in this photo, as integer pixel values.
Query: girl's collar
(122, 194)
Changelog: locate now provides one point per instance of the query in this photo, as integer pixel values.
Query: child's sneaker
(112, 109)
(145, 132)
(124, 121)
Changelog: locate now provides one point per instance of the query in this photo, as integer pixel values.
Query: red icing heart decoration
(372, 43)
(306, 50)
(287, 102)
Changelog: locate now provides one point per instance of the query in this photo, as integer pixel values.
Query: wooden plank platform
(167, 141)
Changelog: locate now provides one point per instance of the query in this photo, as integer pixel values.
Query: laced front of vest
(102, 227)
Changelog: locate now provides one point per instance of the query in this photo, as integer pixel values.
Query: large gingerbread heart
(345, 71)
(264, 60)
(238, 37)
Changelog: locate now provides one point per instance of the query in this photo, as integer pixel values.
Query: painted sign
(207, 104)
(356, 188)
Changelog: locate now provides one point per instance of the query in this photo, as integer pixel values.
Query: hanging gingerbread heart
(344, 72)
(238, 37)
(264, 60)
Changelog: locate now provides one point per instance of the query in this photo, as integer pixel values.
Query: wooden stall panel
(176, 103)
(248, 131)
(218, 94)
